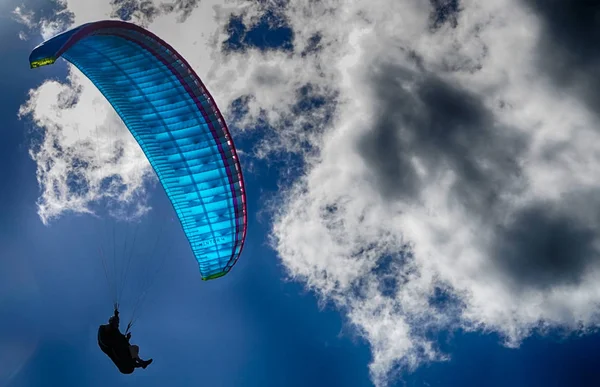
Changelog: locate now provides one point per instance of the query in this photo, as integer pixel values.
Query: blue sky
(283, 317)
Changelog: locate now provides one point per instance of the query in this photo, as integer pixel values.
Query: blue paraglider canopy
(176, 122)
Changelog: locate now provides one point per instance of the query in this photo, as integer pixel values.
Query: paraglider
(116, 345)
(176, 122)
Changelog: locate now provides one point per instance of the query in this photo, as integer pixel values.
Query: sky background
(422, 196)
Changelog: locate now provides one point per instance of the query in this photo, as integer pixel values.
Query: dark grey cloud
(444, 11)
(568, 51)
(542, 248)
(419, 115)
(313, 46)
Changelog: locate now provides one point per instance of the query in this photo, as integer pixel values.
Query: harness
(119, 354)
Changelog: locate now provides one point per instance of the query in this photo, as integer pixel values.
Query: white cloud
(454, 239)
(86, 154)
(437, 179)
(24, 17)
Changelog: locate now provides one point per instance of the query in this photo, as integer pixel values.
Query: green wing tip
(42, 62)
(213, 276)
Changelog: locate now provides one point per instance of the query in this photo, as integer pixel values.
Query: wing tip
(215, 276)
(41, 62)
